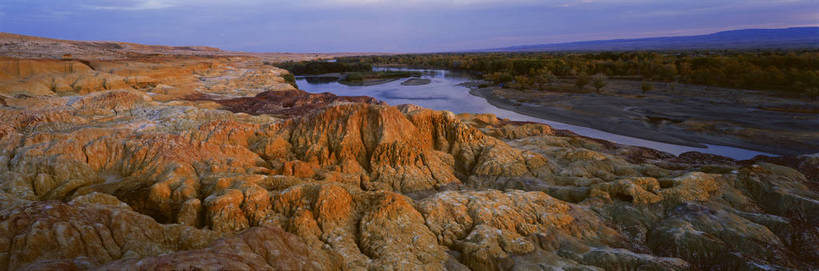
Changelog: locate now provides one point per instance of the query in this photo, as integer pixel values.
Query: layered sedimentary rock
(219, 163)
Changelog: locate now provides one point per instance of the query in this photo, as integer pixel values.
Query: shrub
(646, 86)
(812, 93)
(290, 79)
(599, 81)
(583, 79)
(354, 76)
(544, 76)
(499, 77)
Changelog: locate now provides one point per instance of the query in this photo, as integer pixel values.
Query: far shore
(682, 115)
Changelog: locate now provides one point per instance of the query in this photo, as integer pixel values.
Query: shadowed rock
(284, 103)
(226, 166)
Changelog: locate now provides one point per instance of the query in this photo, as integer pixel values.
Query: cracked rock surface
(168, 163)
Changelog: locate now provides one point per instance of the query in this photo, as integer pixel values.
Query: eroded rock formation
(194, 162)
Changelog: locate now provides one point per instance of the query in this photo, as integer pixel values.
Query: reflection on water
(444, 93)
(321, 79)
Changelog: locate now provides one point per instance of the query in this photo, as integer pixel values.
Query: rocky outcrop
(286, 104)
(219, 163)
(259, 248)
(84, 233)
(165, 78)
(807, 164)
(380, 230)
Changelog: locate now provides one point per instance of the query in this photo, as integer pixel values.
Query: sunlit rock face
(218, 163)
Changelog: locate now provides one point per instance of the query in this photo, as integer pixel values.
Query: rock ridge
(218, 163)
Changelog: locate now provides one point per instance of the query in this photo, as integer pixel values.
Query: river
(445, 92)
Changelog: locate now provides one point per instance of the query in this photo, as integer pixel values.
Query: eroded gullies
(283, 179)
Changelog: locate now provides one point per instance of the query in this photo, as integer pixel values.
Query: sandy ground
(680, 114)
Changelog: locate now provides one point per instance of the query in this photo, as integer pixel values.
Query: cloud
(379, 25)
(133, 5)
(140, 5)
(431, 3)
(400, 3)
(137, 5)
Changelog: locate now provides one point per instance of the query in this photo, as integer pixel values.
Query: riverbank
(416, 82)
(449, 91)
(363, 78)
(677, 114)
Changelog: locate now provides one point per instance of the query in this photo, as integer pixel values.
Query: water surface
(444, 92)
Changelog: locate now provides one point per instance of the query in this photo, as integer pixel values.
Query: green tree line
(787, 72)
(322, 67)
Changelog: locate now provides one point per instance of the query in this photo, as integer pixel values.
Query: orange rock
(144, 162)
(259, 248)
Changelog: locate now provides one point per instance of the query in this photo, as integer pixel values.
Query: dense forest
(789, 73)
(354, 72)
(324, 67)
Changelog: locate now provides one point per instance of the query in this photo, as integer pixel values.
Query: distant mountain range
(784, 38)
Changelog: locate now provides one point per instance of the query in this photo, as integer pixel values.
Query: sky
(389, 25)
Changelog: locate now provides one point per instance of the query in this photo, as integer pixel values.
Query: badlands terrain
(131, 157)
